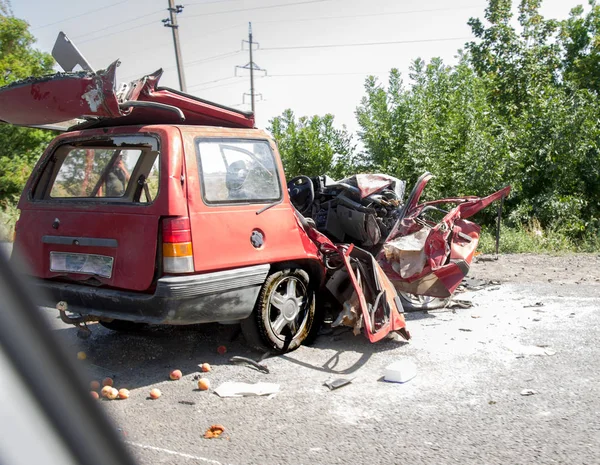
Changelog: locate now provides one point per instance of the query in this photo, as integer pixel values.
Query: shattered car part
(449, 247)
(338, 383)
(377, 308)
(420, 256)
(361, 209)
(91, 99)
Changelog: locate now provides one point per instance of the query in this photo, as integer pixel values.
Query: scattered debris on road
(249, 363)
(205, 367)
(400, 371)
(203, 384)
(186, 402)
(175, 375)
(528, 392)
(221, 350)
(214, 431)
(338, 383)
(521, 351)
(537, 304)
(155, 393)
(239, 389)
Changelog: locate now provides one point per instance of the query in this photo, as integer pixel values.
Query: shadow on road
(146, 357)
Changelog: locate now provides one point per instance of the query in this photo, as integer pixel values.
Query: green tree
(312, 146)
(19, 147)
(520, 107)
(580, 39)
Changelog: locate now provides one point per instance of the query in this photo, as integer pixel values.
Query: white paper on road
(238, 389)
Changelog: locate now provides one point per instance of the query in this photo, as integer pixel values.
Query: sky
(316, 53)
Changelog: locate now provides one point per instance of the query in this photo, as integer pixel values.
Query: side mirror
(67, 55)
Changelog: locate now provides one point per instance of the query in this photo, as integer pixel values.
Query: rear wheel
(123, 325)
(284, 313)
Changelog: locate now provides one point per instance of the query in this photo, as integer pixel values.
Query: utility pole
(252, 67)
(172, 23)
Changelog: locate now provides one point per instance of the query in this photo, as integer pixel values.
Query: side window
(238, 171)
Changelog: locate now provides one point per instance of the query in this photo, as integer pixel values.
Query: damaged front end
(403, 250)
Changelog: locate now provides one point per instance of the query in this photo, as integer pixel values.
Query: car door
(240, 212)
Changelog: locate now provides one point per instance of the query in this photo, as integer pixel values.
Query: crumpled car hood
(93, 99)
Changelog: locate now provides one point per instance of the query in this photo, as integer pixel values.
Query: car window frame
(41, 193)
(234, 202)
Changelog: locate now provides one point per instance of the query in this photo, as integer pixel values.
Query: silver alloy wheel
(287, 304)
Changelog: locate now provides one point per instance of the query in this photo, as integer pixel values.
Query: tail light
(177, 245)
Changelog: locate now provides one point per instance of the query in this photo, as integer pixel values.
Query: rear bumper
(221, 296)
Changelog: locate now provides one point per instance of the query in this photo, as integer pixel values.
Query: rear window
(238, 171)
(124, 169)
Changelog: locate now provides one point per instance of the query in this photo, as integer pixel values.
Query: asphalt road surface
(537, 331)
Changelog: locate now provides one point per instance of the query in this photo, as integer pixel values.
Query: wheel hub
(290, 310)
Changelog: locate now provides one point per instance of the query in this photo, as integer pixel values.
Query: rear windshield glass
(126, 173)
(238, 171)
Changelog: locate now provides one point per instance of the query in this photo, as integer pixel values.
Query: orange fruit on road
(94, 394)
(123, 393)
(112, 394)
(221, 350)
(175, 375)
(203, 384)
(95, 385)
(105, 391)
(205, 367)
(155, 393)
(107, 382)
(81, 355)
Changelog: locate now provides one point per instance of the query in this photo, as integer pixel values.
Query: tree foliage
(520, 107)
(312, 146)
(19, 147)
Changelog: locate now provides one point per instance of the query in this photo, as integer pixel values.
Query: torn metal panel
(419, 255)
(93, 97)
(370, 301)
(449, 246)
(60, 97)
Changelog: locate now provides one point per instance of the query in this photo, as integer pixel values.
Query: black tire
(123, 326)
(284, 314)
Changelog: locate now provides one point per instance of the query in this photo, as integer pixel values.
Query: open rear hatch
(91, 99)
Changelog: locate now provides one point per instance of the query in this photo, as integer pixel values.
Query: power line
(281, 5)
(223, 85)
(318, 18)
(112, 26)
(203, 60)
(215, 57)
(79, 15)
(364, 44)
(326, 74)
(200, 84)
(116, 32)
(208, 3)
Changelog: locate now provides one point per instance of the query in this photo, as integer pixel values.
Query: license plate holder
(81, 263)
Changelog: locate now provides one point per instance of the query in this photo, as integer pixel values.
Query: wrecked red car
(156, 207)
(425, 250)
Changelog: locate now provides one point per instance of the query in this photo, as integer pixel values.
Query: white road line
(172, 452)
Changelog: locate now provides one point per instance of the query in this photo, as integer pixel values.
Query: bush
(9, 214)
(533, 239)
